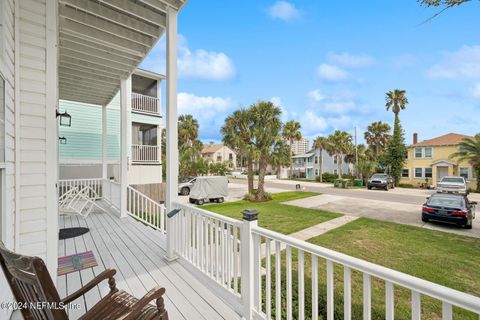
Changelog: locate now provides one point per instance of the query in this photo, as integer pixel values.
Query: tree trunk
(250, 174)
(478, 181)
(261, 178)
(291, 161)
(321, 165)
(339, 167)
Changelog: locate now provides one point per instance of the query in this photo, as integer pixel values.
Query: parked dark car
(380, 181)
(450, 208)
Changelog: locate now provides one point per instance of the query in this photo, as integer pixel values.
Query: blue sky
(328, 64)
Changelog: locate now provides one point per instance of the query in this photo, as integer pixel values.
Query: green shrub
(252, 196)
(406, 185)
(327, 177)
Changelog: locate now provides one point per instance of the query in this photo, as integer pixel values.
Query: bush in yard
(406, 185)
(253, 196)
(327, 177)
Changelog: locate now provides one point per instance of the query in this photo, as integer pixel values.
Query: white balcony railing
(145, 209)
(212, 243)
(146, 104)
(95, 183)
(145, 153)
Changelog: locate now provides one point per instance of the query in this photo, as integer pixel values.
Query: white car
(453, 184)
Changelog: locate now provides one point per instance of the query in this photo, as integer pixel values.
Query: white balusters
(144, 103)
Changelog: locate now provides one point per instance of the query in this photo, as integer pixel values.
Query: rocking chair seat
(118, 304)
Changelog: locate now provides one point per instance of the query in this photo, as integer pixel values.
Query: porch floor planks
(149, 275)
(155, 240)
(172, 281)
(136, 252)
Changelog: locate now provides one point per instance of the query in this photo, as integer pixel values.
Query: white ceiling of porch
(103, 41)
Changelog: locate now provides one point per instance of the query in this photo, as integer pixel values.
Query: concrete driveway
(397, 205)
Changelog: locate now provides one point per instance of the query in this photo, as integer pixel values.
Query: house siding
(7, 70)
(84, 137)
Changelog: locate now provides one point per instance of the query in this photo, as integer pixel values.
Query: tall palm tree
(291, 133)
(377, 136)
(321, 143)
(469, 150)
(187, 129)
(237, 133)
(396, 100)
(341, 142)
(266, 130)
(395, 156)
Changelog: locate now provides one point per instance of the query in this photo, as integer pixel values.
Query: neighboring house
(219, 153)
(431, 159)
(300, 146)
(81, 151)
(311, 164)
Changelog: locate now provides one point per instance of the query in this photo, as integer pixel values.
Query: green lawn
(447, 259)
(276, 216)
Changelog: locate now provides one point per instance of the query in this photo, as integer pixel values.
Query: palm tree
(377, 136)
(396, 100)
(291, 133)
(266, 130)
(395, 156)
(187, 129)
(321, 143)
(340, 142)
(237, 133)
(469, 150)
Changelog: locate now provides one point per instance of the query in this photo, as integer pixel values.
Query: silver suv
(453, 184)
(186, 185)
(380, 180)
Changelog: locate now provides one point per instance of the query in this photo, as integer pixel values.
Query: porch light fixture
(65, 119)
(62, 140)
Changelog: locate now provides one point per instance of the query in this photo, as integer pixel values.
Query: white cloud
(208, 65)
(284, 10)
(461, 64)
(315, 96)
(189, 103)
(348, 60)
(475, 91)
(332, 73)
(194, 64)
(312, 123)
(277, 101)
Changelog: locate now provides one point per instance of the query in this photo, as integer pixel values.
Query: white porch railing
(96, 185)
(143, 103)
(145, 153)
(145, 209)
(212, 243)
(111, 193)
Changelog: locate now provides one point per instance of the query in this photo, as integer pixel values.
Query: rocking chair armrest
(156, 293)
(107, 274)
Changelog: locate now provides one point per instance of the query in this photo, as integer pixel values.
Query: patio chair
(32, 285)
(83, 202)
(66, 197)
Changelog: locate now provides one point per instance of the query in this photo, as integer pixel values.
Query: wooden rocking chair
(32, 286)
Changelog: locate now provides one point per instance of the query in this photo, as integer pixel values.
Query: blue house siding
(84, 137)
(312, 169)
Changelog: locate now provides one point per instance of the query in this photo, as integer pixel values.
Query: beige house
(219, 153)
(431, 159)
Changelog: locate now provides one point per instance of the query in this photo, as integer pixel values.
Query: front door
(441, 172)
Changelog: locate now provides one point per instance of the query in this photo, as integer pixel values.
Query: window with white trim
(423, 172)
(427, 172)
(423, 152)
(418, 173)
(464, 172)
(405, 173)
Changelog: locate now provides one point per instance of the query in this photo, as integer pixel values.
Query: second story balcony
(145, 154)
(145, 104)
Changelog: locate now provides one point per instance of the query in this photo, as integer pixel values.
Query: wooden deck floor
(136, 252)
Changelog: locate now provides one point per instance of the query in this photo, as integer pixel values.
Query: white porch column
(104, 143)
(172, 123)
(123, 147)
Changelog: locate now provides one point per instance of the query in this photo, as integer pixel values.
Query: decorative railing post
(250, 217)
